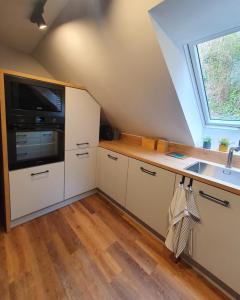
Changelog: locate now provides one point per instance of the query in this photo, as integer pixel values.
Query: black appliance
(106, 132)
(35, 122)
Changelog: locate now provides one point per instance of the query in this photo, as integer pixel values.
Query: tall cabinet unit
(82, 120)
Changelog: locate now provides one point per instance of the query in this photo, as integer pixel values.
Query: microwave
(27, 97)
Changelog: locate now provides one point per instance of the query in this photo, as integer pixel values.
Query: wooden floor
(90, 250)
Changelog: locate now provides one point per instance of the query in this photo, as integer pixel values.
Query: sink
(224, 174)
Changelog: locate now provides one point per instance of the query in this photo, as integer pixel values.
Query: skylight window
(216, 65)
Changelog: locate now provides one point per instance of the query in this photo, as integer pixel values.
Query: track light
(37, 15)
(41, 23)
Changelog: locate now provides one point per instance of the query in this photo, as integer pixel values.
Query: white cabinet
(216, 241)
(36, 188)
(80, 171)
(112, 174)
(82, 120)
(149, 194)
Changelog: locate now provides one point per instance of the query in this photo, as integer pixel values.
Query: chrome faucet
(230, 155)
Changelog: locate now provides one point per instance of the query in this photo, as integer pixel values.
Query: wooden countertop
(166, 162)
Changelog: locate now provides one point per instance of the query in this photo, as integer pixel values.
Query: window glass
(220, 67)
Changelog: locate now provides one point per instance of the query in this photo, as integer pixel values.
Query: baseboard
(49, 209)
(198, 268)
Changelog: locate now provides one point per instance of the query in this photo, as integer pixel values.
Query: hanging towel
(183, 214)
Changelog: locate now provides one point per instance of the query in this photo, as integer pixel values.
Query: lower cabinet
(216, 242)
(112, 174)
(149, 194)
(80, 171)
(35, 188)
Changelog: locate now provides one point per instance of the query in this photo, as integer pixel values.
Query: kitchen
(91, 165)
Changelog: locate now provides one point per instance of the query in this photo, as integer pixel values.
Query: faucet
(230, 155)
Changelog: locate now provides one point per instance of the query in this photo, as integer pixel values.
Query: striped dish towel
(183, 214)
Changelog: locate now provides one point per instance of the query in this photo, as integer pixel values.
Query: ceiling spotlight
(37, 15)
(41, 23)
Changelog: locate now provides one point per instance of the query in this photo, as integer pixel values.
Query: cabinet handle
(214, 199)
(35, 174)
(148, 172)
(82, 144)
(80, 154)
(112, 157)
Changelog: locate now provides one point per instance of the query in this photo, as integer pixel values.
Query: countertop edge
(180, 171)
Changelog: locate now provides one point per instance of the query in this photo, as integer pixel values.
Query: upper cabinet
(82, 120)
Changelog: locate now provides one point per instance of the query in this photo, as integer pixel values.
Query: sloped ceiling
(11, 59)
(111, 47)
(16, 30)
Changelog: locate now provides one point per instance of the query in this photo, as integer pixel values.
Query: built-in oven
(35, 122)
(34, 146)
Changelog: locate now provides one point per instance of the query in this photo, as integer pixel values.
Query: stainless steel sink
(224, 174)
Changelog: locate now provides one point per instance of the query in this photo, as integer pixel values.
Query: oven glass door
(37, 147)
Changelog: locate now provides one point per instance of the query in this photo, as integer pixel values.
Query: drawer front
(80, 171)
(112, 174)
(149, 194)
(36, 188)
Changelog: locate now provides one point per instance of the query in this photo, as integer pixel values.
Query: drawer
(36, 188)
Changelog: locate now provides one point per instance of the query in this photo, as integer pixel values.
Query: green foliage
(220, 63)
(224, 142)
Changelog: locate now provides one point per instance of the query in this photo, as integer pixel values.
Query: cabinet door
(82, 119)
(112, 174)
(80, 171)
(216, 242)
(36, 188)
(149, 194)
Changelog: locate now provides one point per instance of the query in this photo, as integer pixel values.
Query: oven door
(27, 148)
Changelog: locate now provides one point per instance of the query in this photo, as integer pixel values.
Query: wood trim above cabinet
(49, 80)
(5, 205)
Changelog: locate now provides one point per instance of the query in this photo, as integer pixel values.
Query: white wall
(181, 22)
(14, 60)
(115, 53)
